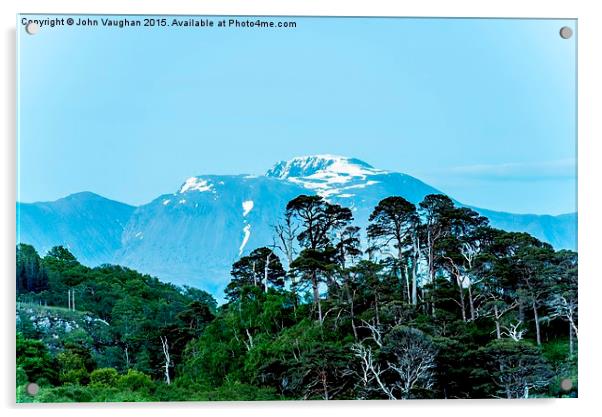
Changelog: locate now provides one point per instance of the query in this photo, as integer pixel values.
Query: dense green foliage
(433, 304)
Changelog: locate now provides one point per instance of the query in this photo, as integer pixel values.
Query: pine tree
(394, 225)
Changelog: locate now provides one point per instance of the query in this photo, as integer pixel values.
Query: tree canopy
(429, 301)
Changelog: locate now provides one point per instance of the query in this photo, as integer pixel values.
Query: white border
(590, 210)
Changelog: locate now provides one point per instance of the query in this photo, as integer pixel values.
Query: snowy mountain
(326, 174)
(349, 182)
(195, 234)
(355, 184)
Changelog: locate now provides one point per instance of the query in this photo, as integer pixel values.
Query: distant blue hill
(87, 224)
(195, 234)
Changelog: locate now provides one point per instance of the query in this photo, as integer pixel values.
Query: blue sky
(481, 109)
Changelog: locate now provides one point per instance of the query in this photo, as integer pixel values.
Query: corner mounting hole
(32, 28)
(566, 384)
(32, 388)
(566, 32)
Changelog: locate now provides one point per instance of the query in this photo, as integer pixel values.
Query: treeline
(431, 302)
(428, 302)
(150, 322)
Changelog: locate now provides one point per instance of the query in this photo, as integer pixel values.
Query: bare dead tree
(248, 344)
(498, 310)
(286, 233)
(415, 256)
(127, 356)
(167, 362)
(375, 331)
(266, 270)
(414, 362)
(566, 309)
(513, 331)
(469, 252)
(408, 363)
(370, 370)
(454, 270)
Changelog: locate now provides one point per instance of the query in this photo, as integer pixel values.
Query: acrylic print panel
(284, 208)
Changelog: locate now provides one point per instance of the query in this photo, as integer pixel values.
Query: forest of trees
(428, 302)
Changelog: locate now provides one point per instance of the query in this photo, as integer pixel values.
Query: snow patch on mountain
(196, 184)
(326, 175)
(247, 234)
(332, 168)
(247, 206)
(364, 185)
(166, 202)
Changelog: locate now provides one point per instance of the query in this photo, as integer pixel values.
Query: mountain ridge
(193, 236)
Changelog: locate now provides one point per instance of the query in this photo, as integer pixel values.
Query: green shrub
(135, 381)
(104, 377)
